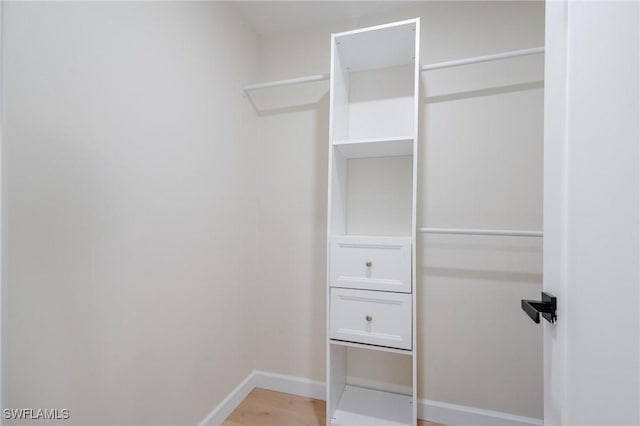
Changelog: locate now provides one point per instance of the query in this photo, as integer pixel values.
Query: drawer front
(371, 263)
(372, 317)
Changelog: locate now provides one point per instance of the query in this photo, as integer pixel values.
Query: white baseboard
(226, 407)
(263, 380)
(290, 384)
(460, 415)
(434, 411)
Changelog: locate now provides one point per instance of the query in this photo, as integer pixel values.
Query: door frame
(555, 196)
(591, 251)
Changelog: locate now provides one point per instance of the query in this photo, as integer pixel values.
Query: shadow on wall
(498, 90)
(314, 96)
(319, 263)
(299, 97)
(294, 126)
(484, 275)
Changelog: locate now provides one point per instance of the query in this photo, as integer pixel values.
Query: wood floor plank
(270, 408)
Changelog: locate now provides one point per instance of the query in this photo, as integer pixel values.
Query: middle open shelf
(375, 147)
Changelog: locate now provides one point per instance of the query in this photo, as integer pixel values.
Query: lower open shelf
(371, 347)
(362, 406)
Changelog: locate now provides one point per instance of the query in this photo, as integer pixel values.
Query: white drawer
(371, 263)
(372, 317)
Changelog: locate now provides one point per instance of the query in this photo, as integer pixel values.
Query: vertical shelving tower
(371, 303)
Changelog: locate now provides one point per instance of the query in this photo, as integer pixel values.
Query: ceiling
(269, 17)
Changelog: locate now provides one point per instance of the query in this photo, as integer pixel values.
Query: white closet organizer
(371, 301)
(371, 274)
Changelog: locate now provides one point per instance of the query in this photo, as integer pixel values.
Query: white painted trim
(226, 407)
(377, 27)
(3, 224)
(290, 384)
(460, 415)
(434, 411)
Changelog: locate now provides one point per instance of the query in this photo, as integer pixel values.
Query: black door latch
(546, 307)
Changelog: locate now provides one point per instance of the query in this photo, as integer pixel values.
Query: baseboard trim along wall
(290, 384)
(434, 411)
(226, 407)
(460, 415)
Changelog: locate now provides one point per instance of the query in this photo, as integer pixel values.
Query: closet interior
(374, 124)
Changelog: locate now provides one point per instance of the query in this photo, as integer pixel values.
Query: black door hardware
(546, 307)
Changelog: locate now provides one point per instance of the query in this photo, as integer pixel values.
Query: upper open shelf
(378, 47)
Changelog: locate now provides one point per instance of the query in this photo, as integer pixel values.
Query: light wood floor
(264, 407)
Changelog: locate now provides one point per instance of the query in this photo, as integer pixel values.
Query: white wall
(159, 249)
(130, 208)
(481, 166)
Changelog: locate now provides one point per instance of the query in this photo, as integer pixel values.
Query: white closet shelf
(378, 47)
(362, 406)
(375, 147)
(372, 347)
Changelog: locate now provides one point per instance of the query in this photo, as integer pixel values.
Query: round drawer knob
(368, 263)
(368, 318)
